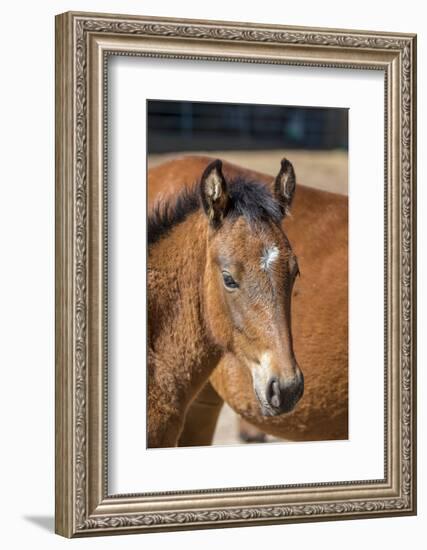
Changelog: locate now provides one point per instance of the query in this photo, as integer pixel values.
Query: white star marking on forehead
(269, 256)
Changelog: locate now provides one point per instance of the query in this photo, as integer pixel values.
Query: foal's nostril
(282, 394)
(273, 393)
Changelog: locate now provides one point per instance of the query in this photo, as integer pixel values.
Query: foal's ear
(214, 192)
(284, 185)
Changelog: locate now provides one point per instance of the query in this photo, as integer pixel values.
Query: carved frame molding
(83, 44)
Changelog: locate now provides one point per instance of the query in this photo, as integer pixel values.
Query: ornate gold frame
(83, 42)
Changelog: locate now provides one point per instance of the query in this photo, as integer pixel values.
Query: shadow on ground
(44, 522)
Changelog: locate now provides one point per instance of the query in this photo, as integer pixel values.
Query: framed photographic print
(235, 274)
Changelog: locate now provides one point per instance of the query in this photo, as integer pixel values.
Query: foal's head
(249, 277)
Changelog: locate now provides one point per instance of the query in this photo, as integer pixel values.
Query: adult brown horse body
(317, 229)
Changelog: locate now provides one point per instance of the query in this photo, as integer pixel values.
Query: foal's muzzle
(282, 395)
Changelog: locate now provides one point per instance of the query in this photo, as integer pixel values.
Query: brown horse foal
(220, 277)
(318, 229)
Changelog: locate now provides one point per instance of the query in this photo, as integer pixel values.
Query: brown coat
(318, 232)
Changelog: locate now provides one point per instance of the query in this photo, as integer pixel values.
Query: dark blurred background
(190, 126)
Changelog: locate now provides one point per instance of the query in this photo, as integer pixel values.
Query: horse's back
(170, 177)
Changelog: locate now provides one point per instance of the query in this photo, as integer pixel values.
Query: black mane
(250, 199)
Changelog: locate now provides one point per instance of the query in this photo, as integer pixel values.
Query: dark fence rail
(190, 126)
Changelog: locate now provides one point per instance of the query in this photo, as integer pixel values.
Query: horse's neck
(180, 348)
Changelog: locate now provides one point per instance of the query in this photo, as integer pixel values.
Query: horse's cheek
(233, 381)
(218, 320)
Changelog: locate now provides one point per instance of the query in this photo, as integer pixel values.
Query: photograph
(247, 273)
(235, 258)
(213, 259)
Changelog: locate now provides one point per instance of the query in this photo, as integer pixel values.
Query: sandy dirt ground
(326, 170)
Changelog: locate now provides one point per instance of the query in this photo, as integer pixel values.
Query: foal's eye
(229, 282)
